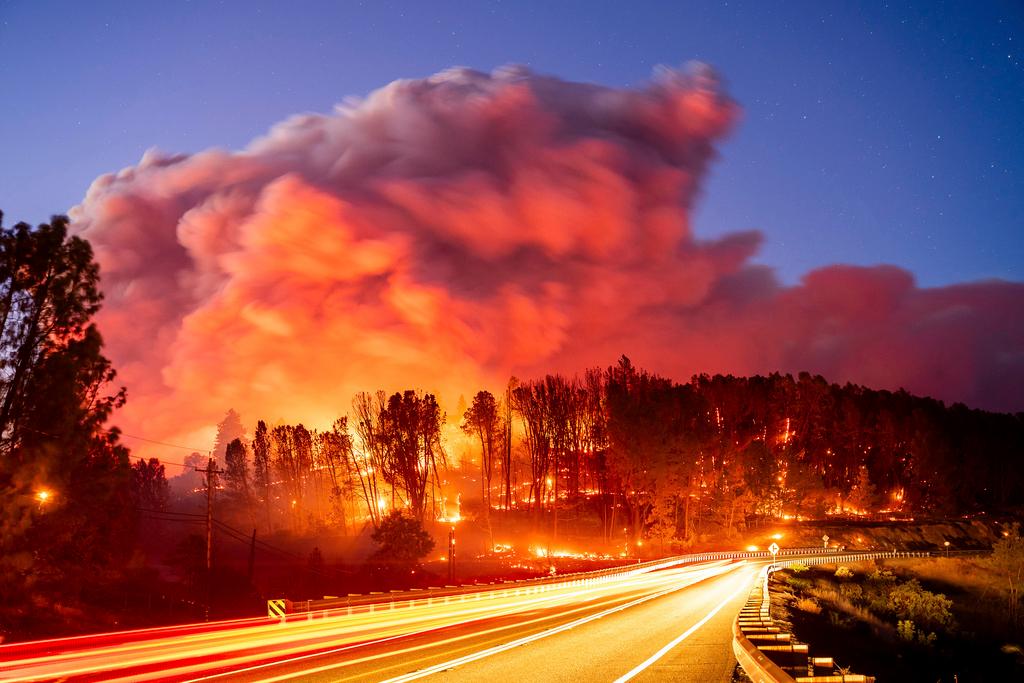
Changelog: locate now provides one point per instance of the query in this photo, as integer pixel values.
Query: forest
(624, 448)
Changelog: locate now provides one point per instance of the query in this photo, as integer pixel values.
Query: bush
(911, 601)
(905, 629)
(798, 568)
(851, 592)
(402, 541)
(844, 573)
(882, 576)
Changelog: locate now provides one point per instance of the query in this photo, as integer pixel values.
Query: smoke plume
(448, 232)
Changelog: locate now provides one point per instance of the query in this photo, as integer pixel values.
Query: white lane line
(487, 613)
(680, 638)
(445, 666)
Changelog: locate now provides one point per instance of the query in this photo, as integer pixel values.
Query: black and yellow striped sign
(276, 609)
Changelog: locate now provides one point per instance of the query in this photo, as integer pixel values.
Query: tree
(482, 421)
(403, 542)
(236, 474)
(862, 496)
(1008, 562)
(293, 459)
(369, 463)
(149, 485)
(261, 468)
(530, 401)
(334, 453)
(55, 400)
(410, 431)
(642, 428)
(228, 430)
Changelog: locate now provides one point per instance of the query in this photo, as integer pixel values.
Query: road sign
(276, 609)
(774, 550)
(824, 540)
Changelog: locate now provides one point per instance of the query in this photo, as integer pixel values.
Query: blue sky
(872, 132)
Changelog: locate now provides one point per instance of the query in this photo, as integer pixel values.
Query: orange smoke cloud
(447, 232)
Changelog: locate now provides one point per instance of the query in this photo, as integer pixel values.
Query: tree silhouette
(65, 494)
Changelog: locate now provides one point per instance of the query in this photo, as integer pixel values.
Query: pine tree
(65, 504)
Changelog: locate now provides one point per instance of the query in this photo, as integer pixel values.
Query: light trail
(683, 636)
(208, 649)
(445, 666)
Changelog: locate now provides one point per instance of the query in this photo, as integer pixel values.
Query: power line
(233, 534)
(138, 457)
(164, 443)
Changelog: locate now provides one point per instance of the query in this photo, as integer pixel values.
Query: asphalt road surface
(670, 624)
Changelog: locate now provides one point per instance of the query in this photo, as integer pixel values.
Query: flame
(451, 518)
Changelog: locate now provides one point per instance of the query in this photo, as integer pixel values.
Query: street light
(43, 497)
(946, 543)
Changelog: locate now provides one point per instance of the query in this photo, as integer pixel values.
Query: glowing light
(43, 496)
(751, 548)
(777, 536)
(382, 504)
(455, 516)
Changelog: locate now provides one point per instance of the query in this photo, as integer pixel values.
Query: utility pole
(252, 554)
(451, 555)
(211, 473)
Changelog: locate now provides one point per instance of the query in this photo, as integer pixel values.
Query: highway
(645, 624)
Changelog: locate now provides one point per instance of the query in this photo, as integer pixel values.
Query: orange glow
(453, 517)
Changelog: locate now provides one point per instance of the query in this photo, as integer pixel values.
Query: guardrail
(755, 634)
(369, 602)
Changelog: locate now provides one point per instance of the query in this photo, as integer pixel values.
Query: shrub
(882, 576)
(851, 592)
(905, 629)
(798, 568)
(844, 573)
(911, 601)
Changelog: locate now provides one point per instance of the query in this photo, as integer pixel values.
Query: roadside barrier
(755, 633)
(376, 601)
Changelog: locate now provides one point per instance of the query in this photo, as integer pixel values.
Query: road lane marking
(451, 664)
(519, 607)
(680, 638)
(274, 635)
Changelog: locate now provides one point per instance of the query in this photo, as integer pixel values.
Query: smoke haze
(445, 233)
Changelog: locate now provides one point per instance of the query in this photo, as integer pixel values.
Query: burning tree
(482, 420)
